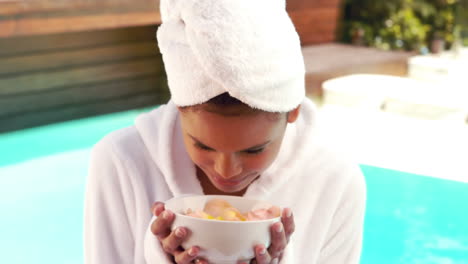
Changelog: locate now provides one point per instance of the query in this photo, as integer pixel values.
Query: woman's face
(233, 150)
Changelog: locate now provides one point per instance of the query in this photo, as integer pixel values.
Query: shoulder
(119, 143)
(342, 174)
(128, 142)
(113, 159)
(329, 162)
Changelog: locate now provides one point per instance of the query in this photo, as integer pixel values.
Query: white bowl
(222, 242)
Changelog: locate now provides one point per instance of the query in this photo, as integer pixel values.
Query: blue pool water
(409, 219)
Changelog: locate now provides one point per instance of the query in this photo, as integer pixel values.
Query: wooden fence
(51, 78)
(316, 21)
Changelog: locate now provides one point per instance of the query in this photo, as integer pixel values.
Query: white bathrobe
(133, 167)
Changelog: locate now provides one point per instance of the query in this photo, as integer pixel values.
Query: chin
(231, 189)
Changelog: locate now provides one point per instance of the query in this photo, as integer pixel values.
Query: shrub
(403, 24)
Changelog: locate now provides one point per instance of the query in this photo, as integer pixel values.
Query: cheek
(261, 161)
(199, 157)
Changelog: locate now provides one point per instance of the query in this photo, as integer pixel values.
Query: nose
(228, 165)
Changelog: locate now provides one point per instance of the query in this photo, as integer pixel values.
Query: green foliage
(461, 22)
(401, 24)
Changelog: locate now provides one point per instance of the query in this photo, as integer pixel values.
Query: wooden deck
(327, 61)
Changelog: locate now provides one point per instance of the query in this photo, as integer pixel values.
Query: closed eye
(251, 151)
(254, 151)
(202, 147)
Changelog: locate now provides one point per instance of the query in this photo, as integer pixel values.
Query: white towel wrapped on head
(249, 49)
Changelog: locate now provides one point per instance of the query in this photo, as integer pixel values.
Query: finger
(187, 256)
(261, 255)
(173, 241)
(287, 219)
(253, 261)
(278, 240)
(157, 208)
(200, 261)
(161, 227)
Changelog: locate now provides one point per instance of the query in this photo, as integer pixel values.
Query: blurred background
(389, 78)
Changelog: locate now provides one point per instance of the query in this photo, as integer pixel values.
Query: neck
(210, 189)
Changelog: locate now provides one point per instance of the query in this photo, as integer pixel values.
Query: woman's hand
(280, 234)
(171, 241)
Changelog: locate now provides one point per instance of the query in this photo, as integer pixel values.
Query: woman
(238, 123)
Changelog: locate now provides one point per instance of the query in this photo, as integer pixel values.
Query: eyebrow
(253, 147)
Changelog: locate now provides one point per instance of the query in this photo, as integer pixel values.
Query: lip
(230, 182)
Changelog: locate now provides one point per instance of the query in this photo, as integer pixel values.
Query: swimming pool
(410, 218)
